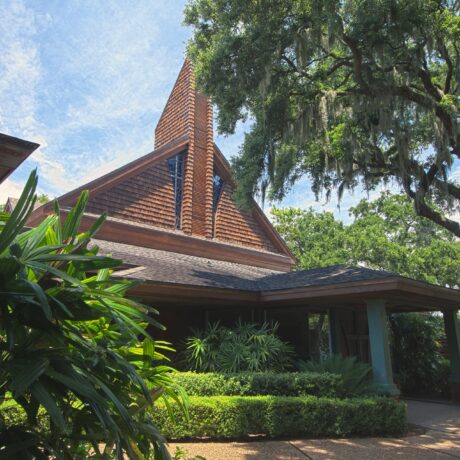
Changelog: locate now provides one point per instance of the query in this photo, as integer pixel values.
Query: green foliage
(315, 239)
(74, 350)
(355, 375)
(245, 347)
(420, 368)
(234, 417)
(344, 92)
(386, 234)
(43, 198)
(182, 454)
(261, 384)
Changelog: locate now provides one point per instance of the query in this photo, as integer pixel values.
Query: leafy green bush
(355, 375)
(245, 347)
(74, 351)
(419, 367)
(182, 454)
(259, 384)
(233, 417)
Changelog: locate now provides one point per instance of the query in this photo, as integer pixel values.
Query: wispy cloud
(20, 69)
(88, 81)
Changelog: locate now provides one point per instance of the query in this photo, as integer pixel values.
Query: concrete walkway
(438, 438)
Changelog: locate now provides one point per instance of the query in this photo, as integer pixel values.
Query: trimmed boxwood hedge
(234, 417)
(260, 384)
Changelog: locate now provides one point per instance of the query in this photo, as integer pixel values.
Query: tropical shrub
(419, 367)
(74, 351)
(355, 375)
(182, 454)
(260, 383)
(234, 417)
(245, 347)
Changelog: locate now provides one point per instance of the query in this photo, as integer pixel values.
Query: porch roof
(13, 151)
(177, 278)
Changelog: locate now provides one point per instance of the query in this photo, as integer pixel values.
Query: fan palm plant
(355, 375)
(74, 350)
(245, 347)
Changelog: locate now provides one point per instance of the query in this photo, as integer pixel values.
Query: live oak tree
(346, 92)
(386, 234)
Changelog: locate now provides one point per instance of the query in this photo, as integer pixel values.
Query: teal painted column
(333, 345)
(452, 328)
(380, 347)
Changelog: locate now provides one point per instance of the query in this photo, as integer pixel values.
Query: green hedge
(12, 414)
(260, 384)
(239, 416)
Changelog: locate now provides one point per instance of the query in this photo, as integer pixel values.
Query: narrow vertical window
(217, 184)
(176, 168)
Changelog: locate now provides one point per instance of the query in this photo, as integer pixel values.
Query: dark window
(176, 168)
(218, 184)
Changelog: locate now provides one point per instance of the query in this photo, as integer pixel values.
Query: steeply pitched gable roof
(142, 192)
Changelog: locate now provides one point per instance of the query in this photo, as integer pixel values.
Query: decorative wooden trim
(156, 238)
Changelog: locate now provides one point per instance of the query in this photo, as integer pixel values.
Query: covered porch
(355, 301)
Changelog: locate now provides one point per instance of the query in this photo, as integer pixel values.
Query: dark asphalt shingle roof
(170, 267)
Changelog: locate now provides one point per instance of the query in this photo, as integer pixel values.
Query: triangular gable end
(173, 188)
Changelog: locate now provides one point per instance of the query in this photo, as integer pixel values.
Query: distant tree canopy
(386, 234)
(346, 92)
(42, 198)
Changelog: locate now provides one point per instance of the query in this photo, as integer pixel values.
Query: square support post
(380, 347)
(452, 328)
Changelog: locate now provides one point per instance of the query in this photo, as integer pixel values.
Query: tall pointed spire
(189, 113)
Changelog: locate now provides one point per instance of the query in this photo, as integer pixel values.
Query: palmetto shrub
(246, 347)
(74, 352)
(355, 375)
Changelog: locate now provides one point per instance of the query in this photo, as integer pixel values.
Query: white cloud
(20, 70)
(9, 188)
(86, 81)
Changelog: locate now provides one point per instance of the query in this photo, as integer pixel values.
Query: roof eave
(13, 152)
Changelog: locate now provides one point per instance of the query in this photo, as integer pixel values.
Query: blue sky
(88, 80)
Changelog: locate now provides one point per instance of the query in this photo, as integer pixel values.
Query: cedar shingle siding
(147, 198)
(236, 226)
(176, 118)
